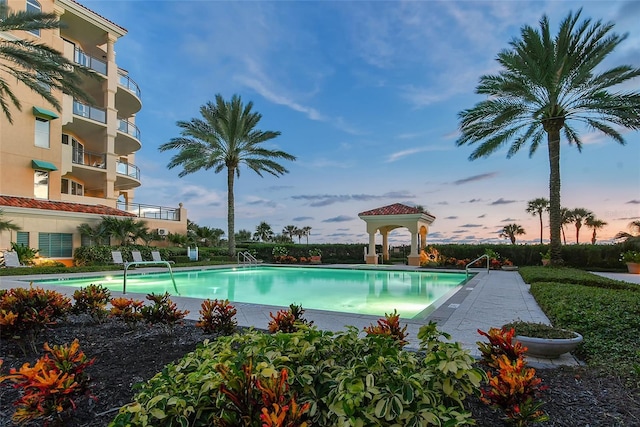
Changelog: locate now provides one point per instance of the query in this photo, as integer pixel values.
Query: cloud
(279, 187)
(450, 217)
(473, 201)
(302, 218)
(470, 225)
(442, 203)
(318, 200)
(475, 178)
(482, 216)
(502, 201)
(339, 218)
(404, 153)
(509, 220)
(634, 202)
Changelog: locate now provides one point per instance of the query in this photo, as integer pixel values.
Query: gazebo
(394, 216)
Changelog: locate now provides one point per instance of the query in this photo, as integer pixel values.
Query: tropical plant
(578, 215)
(25, 254)
(536, 207)
(290, 230)
(97, 235)
(510, 231)
(594, 224)
(224, 138)
(631, 256)
(634, 236)
(263, 232)
(243, 236)
(565, 219)
(7, 224)
(36, 65)
(545, 83)
(128, 230)
(307, 232)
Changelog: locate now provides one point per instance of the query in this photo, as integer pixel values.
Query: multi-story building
(62, 169)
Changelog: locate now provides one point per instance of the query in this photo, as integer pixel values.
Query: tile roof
(108, 20)
(24, 202)
(395, 209)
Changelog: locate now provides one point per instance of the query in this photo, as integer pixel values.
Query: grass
(606, 312)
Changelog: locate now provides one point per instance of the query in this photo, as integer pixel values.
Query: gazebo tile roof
(25, 202)
(394, 209)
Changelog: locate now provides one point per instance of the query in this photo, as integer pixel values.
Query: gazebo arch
(394, 216)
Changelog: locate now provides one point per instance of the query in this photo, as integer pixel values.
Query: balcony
(89, 167)
(128, 96)
(127, 176)
(150, 211)
(128, 138)
(89, 61)
(89, 112)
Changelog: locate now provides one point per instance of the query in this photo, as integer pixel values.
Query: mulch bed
(576, 396)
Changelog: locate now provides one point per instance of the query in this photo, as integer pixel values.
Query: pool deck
(488, 299)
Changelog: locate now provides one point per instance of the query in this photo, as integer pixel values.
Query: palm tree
(594, 224)
(290, 230)
(632, 237)
(243, 236)
(127, 230)
(36, 65)
(96, 235)
(263, 232)
(547, 81)
(307, 232)
(578, 215)
(536, 207)
(7, 224)
(565, 219)
(510, 231)
(225, 138)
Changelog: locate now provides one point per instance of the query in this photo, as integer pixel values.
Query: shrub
(24, 313)
(92, 300)
(571, 275)
(288, 320)
(345, 380)
(389, 326)
(163, 311)
(217, 317)
(127, 310)
(50, 388)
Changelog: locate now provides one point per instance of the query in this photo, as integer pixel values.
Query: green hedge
(101, 255)
(574, 276)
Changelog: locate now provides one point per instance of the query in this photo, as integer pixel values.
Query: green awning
(43, 112)
(42, 165)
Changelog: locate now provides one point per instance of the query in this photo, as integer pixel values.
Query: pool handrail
(247, 256)
(129, 264)
(466, 268)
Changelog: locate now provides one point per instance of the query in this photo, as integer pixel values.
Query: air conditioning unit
(163, 232)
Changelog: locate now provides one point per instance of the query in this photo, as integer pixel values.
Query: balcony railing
(89, 61)
(82, 157)
(150, 211)
(90, 112)
(128, 169)
(128, 83)
(128, 128)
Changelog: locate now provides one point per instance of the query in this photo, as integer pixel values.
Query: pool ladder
(247, 258)
(129, 264)
(466, 269)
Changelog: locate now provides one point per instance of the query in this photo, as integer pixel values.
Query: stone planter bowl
(549, 348)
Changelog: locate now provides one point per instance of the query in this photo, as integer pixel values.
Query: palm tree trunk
(552, 127)
(231, 212)
(541, 226)
(593, 237)
(577, 234)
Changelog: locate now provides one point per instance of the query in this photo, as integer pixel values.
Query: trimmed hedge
(571, 275)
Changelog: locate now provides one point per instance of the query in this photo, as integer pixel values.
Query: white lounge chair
(137, 256)
(117, 257)
(11, 260)
(155, 255)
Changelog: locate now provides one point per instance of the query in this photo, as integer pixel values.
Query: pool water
(414, 294)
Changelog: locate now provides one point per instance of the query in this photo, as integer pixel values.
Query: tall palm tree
(578, 215)
(224, 138)
(263, 232)
(37, 66)
(290, 230)
(546, 83)
(307, 232)
(536, 207)
(565, 219)
(595, 224)
(510, 231)
(634, 236)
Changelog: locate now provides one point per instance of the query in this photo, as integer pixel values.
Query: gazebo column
(385, 245)
(372, 257)
(414, 257)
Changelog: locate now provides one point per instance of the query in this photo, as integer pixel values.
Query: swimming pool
(414, 294)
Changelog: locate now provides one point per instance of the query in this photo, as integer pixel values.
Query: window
(41, 184)
(71, 187)
(34, 7)
(43, 81)
(22, 238)
(55, 245)
(42, 132)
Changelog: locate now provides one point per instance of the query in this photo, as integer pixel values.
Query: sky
(366, 95)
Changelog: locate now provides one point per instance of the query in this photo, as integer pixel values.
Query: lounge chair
(156, 257)
(137, 256)
(117, 257)
(11, 260)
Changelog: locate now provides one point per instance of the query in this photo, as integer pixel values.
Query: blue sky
(366, 96)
